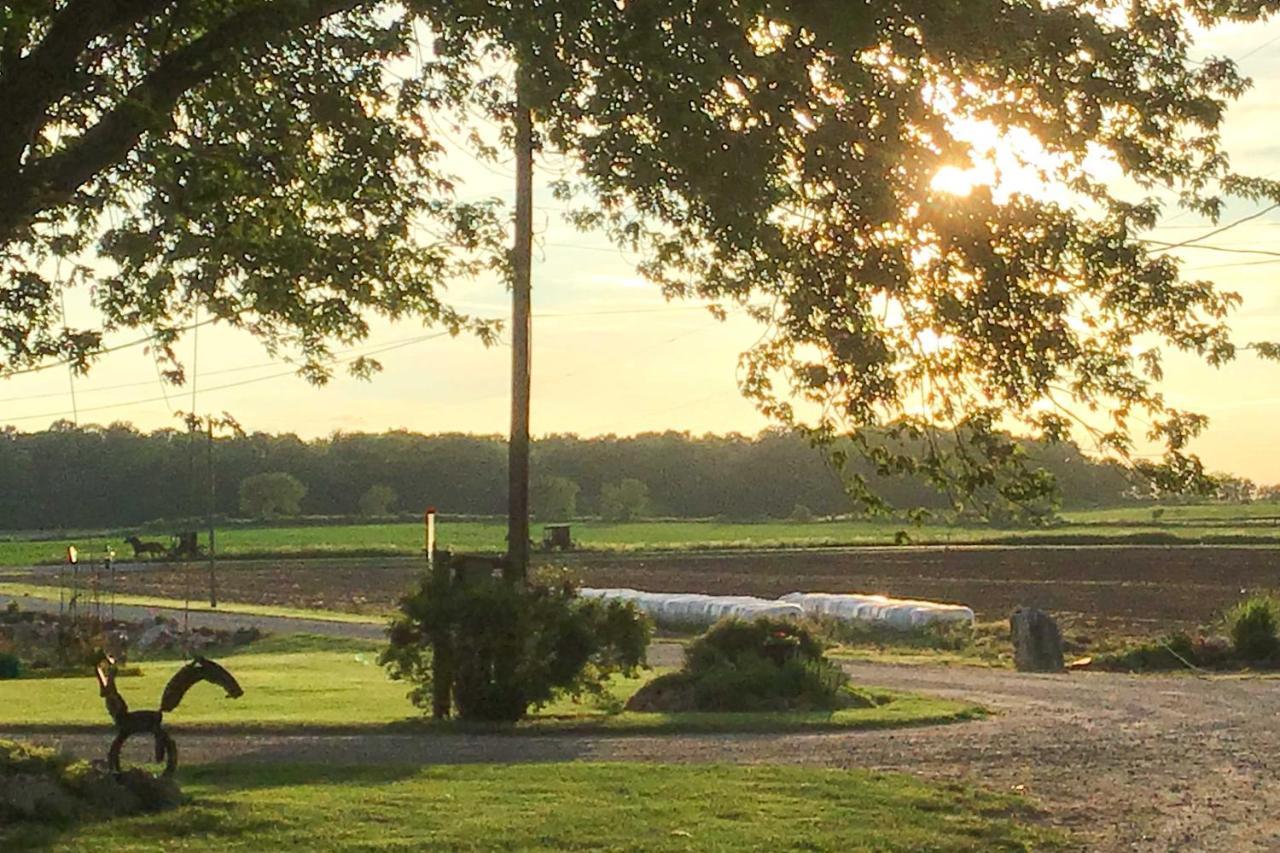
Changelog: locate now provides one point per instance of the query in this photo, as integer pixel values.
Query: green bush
(738, 642)
(1252, 625)
(513, 646)
(765, 665)
(1172, 652)
(10, 666)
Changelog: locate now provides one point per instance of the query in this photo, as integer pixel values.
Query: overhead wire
(40, 368)
(225, 386)
(1165, 247)
(1205, 247)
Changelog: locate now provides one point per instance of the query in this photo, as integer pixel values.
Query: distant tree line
(92, 476)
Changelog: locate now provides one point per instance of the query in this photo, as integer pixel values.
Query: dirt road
(1098, 590)
(1122, 762)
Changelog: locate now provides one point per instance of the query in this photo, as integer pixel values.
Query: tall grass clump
(1253, 626)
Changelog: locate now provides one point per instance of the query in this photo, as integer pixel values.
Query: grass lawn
(561, 807)
(1205, 523)
(326, 682)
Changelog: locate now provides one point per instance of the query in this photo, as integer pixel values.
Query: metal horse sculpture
(129, 723)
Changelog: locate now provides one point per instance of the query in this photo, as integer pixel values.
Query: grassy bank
(319, 682)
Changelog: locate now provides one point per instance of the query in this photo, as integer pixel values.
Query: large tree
(259, 160)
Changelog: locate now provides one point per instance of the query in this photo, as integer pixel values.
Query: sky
(611, 356)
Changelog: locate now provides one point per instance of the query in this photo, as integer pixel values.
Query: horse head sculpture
(129, 723)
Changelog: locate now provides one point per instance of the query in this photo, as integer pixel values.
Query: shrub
(626, 500)
(801, 514)
(1172, 652)
(765, 665)
(1252, 625)
(554, 498)
(737, 642)
(10, 667)
(376, 501)
(513, 646)
(271, 495)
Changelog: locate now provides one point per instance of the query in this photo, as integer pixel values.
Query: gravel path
(225, 621)
(1123, 762)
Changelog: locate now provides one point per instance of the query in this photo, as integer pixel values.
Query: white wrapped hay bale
(694, 610)
(896, 612)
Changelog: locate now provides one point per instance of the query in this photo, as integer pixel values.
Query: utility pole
(521, 301)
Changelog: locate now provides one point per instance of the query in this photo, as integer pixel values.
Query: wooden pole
(517, 567)
(213, 497)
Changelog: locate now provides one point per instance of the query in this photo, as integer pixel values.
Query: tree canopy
(134, 478)
(271, 495)
(937, 208)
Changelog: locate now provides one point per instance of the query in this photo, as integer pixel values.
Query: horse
(140, 547)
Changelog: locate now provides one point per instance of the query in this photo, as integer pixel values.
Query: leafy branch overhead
(936, 208)
(250, 158)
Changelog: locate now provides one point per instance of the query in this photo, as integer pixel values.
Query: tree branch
(46, 74)
(149, 105)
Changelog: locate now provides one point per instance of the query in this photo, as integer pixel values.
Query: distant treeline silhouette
(69, 477)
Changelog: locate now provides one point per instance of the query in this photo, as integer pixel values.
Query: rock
(157, 634)
(33, 797)
(154, 793)
(1037, 642)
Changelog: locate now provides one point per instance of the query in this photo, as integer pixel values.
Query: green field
(321, 682)
(1210, 524)
(560, 807)
(1264, 513)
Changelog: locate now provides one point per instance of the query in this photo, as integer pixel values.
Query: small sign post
(72, 556)
(429, 534)
(73, 559)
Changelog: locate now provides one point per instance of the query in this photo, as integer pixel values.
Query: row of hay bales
(696, 610)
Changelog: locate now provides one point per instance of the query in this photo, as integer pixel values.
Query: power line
(1237, 264)
(263, 365)
(40, 368)
(26, 397)
(223, 387)
(607, 312)
(1215, 232)
(1189, 244)
(1242, 57)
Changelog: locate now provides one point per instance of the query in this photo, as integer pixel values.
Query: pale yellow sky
(610, 356)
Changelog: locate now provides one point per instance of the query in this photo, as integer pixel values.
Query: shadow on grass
(209, 817)
(251, 776)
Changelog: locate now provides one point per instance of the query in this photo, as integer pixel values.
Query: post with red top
(73, 557)
(429, 535)
(441, 645)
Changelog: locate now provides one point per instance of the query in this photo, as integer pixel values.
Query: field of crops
(1257, 524)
